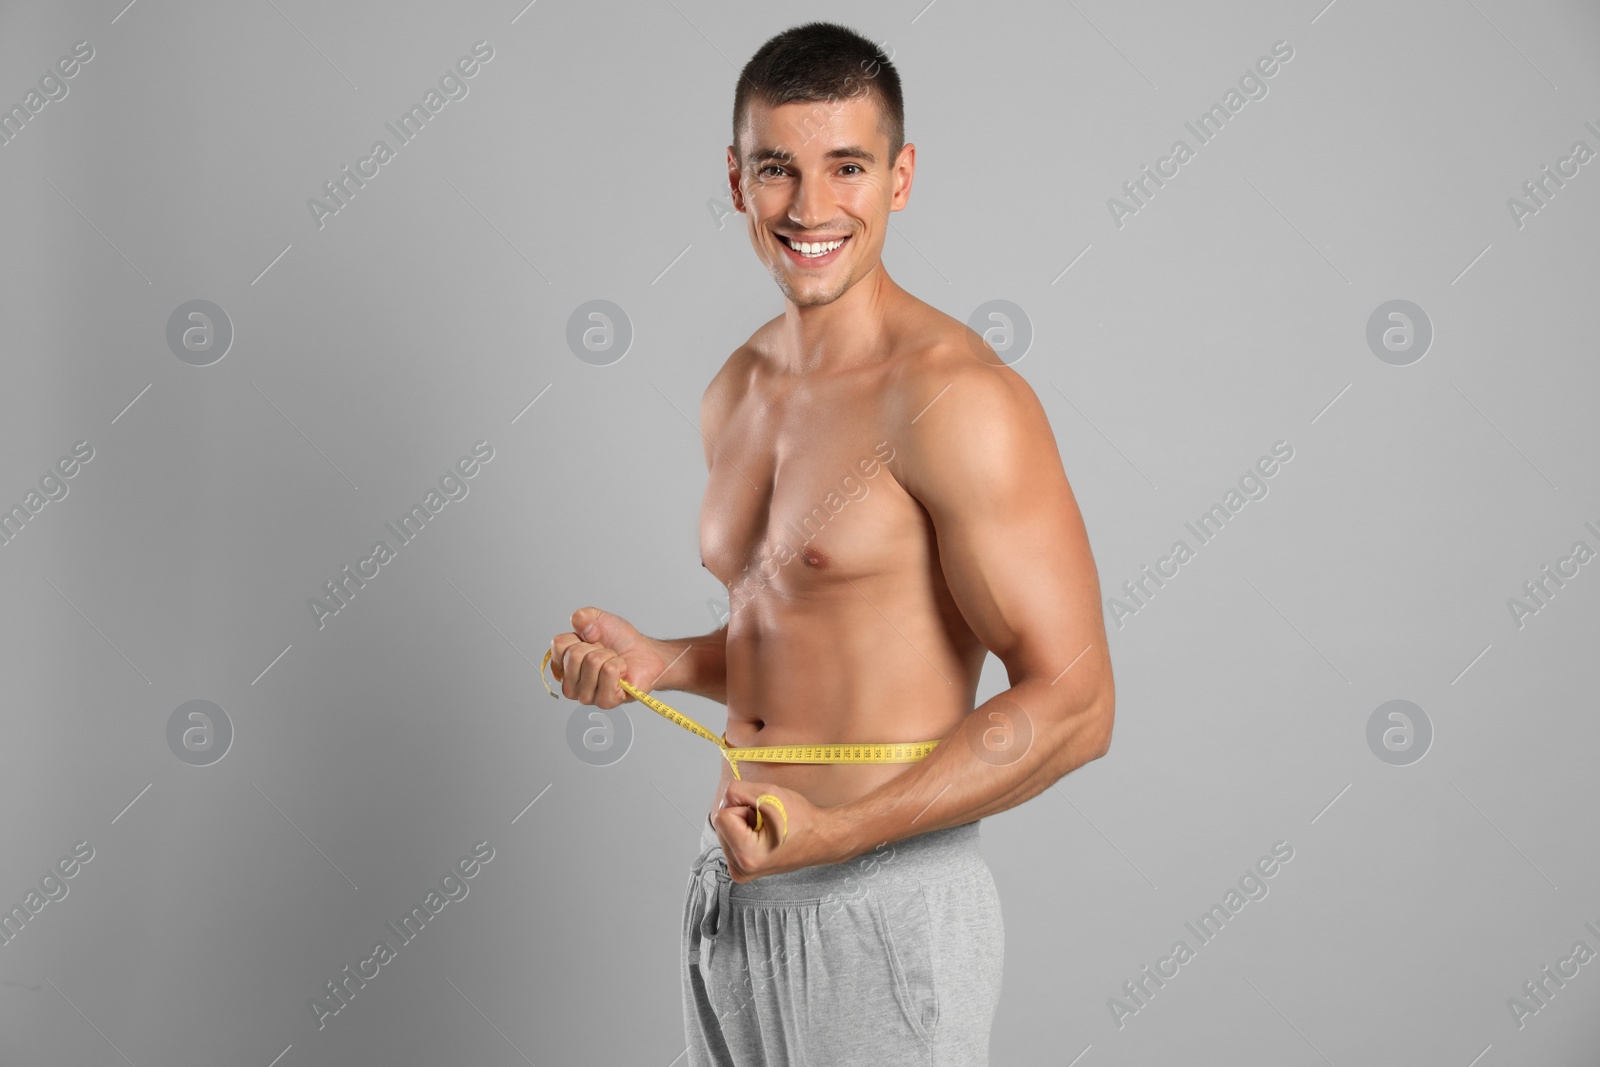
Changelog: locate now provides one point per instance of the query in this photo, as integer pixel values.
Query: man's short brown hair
(822, 61)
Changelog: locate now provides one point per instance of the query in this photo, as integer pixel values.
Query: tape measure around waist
(860, 752)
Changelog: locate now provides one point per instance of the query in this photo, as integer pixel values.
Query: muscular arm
(984, 464)
(696, 665)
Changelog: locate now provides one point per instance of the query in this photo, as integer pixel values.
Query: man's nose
(813, 204)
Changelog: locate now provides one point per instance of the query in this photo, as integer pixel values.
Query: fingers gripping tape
(775, 802)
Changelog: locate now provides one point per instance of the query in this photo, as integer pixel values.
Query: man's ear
(905, 166)
(735, 191)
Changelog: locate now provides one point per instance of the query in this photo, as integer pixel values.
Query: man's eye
(853, 166)
(770, 167)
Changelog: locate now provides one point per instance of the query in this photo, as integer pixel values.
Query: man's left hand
(812, 836)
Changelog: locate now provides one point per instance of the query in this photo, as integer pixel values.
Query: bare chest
(801, 497)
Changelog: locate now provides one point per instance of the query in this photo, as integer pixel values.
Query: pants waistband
(933, 856)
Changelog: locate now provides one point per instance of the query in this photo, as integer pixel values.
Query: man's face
(816, 173)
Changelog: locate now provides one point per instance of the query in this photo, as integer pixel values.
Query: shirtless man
(886, 505)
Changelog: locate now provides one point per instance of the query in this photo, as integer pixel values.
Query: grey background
(586, 162)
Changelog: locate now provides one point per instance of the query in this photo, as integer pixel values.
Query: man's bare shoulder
(939, 355)
(961, 408)
(734, 378)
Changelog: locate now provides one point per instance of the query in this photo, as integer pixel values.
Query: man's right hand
(602, 649)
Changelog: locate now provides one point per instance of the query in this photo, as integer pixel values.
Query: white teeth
(814, 249)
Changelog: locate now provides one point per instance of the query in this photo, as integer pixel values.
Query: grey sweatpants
(890, 959)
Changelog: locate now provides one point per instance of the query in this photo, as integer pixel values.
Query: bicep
(1012, 543)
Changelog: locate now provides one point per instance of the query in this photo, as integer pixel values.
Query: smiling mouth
(812, 249)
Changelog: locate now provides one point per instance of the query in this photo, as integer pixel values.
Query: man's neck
(823, 338)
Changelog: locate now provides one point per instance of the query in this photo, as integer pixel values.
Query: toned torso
(854, 637)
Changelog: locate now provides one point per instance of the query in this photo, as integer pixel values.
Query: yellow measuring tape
(889, 752)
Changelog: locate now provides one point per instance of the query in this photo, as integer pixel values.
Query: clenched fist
(601, 650)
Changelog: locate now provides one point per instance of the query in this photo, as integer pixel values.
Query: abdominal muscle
(829, 674)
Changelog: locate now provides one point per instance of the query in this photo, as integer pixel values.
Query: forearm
(696, 665)
(1011, 748)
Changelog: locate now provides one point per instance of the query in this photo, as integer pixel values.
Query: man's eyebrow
(782, 155)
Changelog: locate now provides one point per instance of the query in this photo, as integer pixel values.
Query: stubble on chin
(812, 297)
